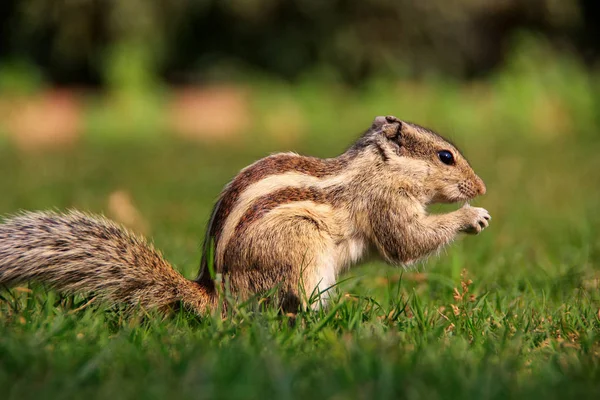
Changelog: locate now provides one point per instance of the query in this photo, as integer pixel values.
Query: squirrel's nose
(481, 189)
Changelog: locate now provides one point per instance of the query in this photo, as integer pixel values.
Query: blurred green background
(143, 110)
(224, 71)
(118, 98)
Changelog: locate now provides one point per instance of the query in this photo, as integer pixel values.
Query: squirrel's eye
(446, 157)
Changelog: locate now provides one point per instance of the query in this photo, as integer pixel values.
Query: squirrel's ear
(392, 128)
(378, 122)
(381, 120)
(388, 126)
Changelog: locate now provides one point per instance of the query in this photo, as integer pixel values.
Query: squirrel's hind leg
(294, 254)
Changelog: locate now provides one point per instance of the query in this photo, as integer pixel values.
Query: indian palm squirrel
(287, 223)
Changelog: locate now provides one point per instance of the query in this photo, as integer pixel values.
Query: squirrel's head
(425, 163)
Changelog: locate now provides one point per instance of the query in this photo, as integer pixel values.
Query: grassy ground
(514, 312)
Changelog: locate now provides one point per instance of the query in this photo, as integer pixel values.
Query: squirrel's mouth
(455, 195)
(460, 192)
(467, 190)
(472, 189)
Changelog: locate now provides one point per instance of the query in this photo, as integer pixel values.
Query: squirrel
(288, 223)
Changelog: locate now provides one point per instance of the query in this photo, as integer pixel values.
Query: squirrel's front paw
(475, 219)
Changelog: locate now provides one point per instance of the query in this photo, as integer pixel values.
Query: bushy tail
(79, 253)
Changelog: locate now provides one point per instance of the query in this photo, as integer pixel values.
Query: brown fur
(272, 165)
(276, 164)
(288, 222)
(269, 201)
(75, 252)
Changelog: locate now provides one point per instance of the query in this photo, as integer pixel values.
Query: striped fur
(289, 222)
(299, 222)
(77, 252)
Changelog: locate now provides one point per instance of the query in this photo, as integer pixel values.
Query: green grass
(513, 312)
(532, 327)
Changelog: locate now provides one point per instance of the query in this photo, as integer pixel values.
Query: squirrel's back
(79, 253)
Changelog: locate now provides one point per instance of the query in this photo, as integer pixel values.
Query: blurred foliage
(539, 96)
(79, 42)
(18, 78)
